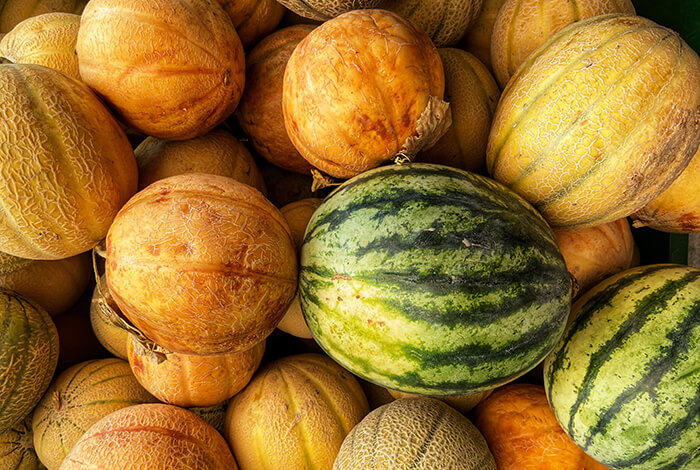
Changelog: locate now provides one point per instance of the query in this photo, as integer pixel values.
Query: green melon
(17, 448)
(624, 381)
(432, 280)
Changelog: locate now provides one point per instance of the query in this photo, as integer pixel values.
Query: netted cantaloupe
(151, 436)
(322, 10)
(110, 334)
(253, 19)
(598, 121)
(216, 264)
(677, 209)
(594, 253)
(523, 25)
(13, 12)
(362, 88)
(68, 164)
(28, 356)
(473, 94)
(53, 284)
(77, 399)
(193, 380)
(477, 40)
(17, 448)
(216, 153)
(462, 403)
(445, 21)
(47, 39)
(260, 111)
(172, 69)
(420, 433)
(294, 414)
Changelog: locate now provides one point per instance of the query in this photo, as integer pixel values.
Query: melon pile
(346, 235)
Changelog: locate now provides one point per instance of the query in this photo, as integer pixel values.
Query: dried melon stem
(433, 123)
(321, 181)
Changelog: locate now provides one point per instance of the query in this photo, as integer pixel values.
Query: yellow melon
(215, 153)
(477, 40)
(523, 25)
(47, 39)
(473, 94)
(461, 403)
(17, 448)
(110, 335)
(13, 12)
(253, 19)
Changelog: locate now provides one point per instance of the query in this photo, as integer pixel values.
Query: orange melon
(111, 336)
(17, 448)
(13, 12)
(201, 264)
(322, 10)
(461, 403)
(253, 19)
(477, 40)
(153, 436)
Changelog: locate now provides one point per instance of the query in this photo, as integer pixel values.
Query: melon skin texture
(253, 19)
(17, 448)
(28, 357)
(624, 381)
(13, 12)
(322, 10)
(477, 40)
(70, 164)
(462, 403)
(173, 70)
(113, 337)
(201, 264)
(47, 40)
(598, 121)
(432, 280)
(420, 433)
(362, 88)
(77, 399)
(151, 436)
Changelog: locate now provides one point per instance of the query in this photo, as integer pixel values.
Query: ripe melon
(47, 39)
(323, 10)
(111, 336)
(17, 448)
(69, 164)
(253, 19)
(78, 398)
(420, 433)
(462, 403)
(172, 69)
(477, 40)
(12, 12)
(213, 415)
(215, 153)
(285, 187)
(598, 121)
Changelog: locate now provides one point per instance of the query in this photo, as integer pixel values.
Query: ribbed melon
(323, 10)
(477, 40)
(624, 381)
(432, 280)
(12, 12)
(17, 448)
(418, 433)
(598, 121)
(253, 19)
(28, 356)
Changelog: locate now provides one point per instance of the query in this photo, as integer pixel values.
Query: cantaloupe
(215, 415)
(77, 399)
(284, 187)
(477, 40)
(12, 12)
(253, 19)
(323, 10)
(462, 403)
(47, 39)
(17, 448)
(151, 436)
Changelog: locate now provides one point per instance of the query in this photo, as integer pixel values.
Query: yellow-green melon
(12, 12)
(17, 448)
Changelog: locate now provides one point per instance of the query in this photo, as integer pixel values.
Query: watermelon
(624, 380)
(432, 280)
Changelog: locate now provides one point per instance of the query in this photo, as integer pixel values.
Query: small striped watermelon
(432, 280)
(624, 380)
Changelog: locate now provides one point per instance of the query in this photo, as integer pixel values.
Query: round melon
(260, 111)
(285, 187)
(462, 403)
(445, 21)
(214, 415)
(28, 357)
(419, 433)
(432, 280)
(47, 40)
(17, 448)
(624, 381)
(215, 153)
(253, 19)
(13, 12)
(322, 10)
(294, 414)
(521, 26)
(111, 336)
(68, 164)
(189, 380)
(173, 70)
(77, 399)
(362, 88)
(153, 436)
(477, 40)
(216, 264)
(54, 284)
(598, 121)
(473, 94)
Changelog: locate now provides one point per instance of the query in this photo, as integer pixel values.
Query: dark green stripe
(645, 309)
(431, 432)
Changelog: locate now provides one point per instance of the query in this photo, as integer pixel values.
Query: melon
(419, 433)
(79, 397)
(17, 448)
(172, 69)
(13, 12)
(68, 164)
(214, 415)
(598, 121)
(253, 19)
(322, 10)
(462, 403)
(110, 335)
(285, 187)
(477, 40)
(47, 39)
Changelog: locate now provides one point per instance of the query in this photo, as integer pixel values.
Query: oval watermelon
(624, 380)
(432, 280)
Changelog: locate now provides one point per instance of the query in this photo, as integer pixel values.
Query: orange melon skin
(355, 89)
(598, 121)
(201, 264)
(253, 19)
(16, 11)
(294, 414)
(260, 111)
(151, 436)
(462, 403)
(172, 72)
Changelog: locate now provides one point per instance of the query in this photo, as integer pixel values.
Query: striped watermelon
(624, 381)
(432, 280)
